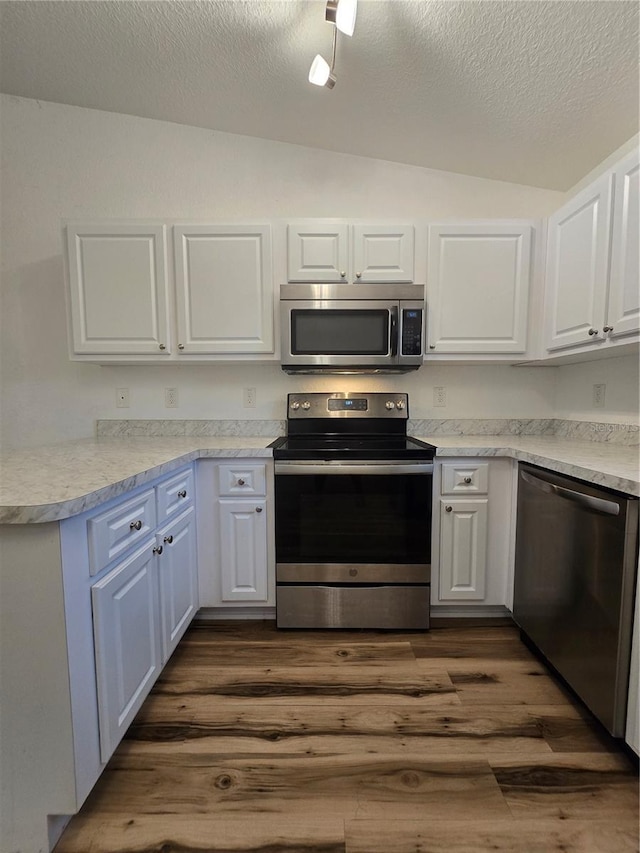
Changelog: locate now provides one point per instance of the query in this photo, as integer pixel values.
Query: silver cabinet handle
(467, 480)
(607, 328)
(358, 275)
(182, 493)
(343, 274)
(158, 550)
(432, 346)
(258, 509)
(593, 331)
(180, 346)
(161, 346)
(135, 525)
(241, 482)
(168, 539)
(448, 508)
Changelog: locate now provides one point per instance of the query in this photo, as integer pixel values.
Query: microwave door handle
(393, 331)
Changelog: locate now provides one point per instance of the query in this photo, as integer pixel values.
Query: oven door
(356, 522)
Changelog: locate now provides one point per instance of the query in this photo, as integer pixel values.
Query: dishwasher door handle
(587, 501)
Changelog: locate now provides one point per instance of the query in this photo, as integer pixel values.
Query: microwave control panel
(411, 331)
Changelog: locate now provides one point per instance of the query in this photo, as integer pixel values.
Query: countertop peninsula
(56, 481)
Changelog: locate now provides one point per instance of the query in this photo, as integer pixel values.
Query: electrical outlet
(439, 395)
(249, 398)
(598, 396)
(122, 398)
(171, 398)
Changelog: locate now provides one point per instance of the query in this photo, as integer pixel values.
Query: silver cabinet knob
(306, 405)
(389, 405)
(343, 274)
(467, 480)
(182, 493)
(135, 525)
(607, 328)
(400, 404)
(593, 331)
(161, 346)
(448, 508)
(158, 549)
(180, 346)
(432, 346)
(168, 539)
(358, 274)
(295, 405)
(258, 509)
(241, 482)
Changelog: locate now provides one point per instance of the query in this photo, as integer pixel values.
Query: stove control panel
(348, 404)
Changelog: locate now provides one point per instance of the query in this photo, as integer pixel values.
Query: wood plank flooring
(263, 741)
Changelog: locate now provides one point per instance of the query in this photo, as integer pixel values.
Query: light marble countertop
(58, 481)
(603, 464)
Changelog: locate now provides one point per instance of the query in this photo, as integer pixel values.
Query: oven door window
(333, 518)
(340, 332)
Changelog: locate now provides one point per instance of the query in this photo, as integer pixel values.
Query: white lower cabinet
(472, 544)
(463, 548)
(126, 623)
(243, 550)
(178, 579)
(236, 533)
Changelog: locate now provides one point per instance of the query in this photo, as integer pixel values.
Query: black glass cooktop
(351, 447)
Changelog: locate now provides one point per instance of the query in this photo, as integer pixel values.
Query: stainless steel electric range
(353, 499)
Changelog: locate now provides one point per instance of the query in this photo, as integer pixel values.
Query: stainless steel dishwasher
(575, 575)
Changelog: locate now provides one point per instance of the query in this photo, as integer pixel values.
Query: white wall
(62, 162)
(574, 390)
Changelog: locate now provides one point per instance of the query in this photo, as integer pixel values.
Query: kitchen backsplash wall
(62, 162)
(574, 390)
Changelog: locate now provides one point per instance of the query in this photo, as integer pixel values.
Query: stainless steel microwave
(343, 328)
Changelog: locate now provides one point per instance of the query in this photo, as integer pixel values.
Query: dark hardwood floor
(266, 741)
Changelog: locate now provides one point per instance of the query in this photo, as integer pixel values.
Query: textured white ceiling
(531, 91)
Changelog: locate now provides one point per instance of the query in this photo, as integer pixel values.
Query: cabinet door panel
(177, 567)
(127, 647)
(623, 312)
(578, 267)
(243, 549)
(478, 288)
(317, 251)
(118, 289)
(463, 549)
(224, 289)
(383, 253)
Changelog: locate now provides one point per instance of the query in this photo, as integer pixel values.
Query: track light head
(320, 74)
(342, 13)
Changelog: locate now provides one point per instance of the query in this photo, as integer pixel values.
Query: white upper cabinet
(118, 289)
(623, 309)
(324, 252)
(592, 291)
(578, 266)
(224, 288)
(478, 287)
(317, 251)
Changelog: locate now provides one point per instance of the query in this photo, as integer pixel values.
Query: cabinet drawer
(238, 479)
(458, 478)
(174, 494)
(114, 532)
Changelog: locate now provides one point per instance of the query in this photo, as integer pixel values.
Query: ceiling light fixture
(342, 14)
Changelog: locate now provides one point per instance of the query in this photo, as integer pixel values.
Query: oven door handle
(354, 468)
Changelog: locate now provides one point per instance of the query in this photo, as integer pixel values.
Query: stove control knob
(389, 405)
(295, 405)
(306, 405)
(400, 404)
